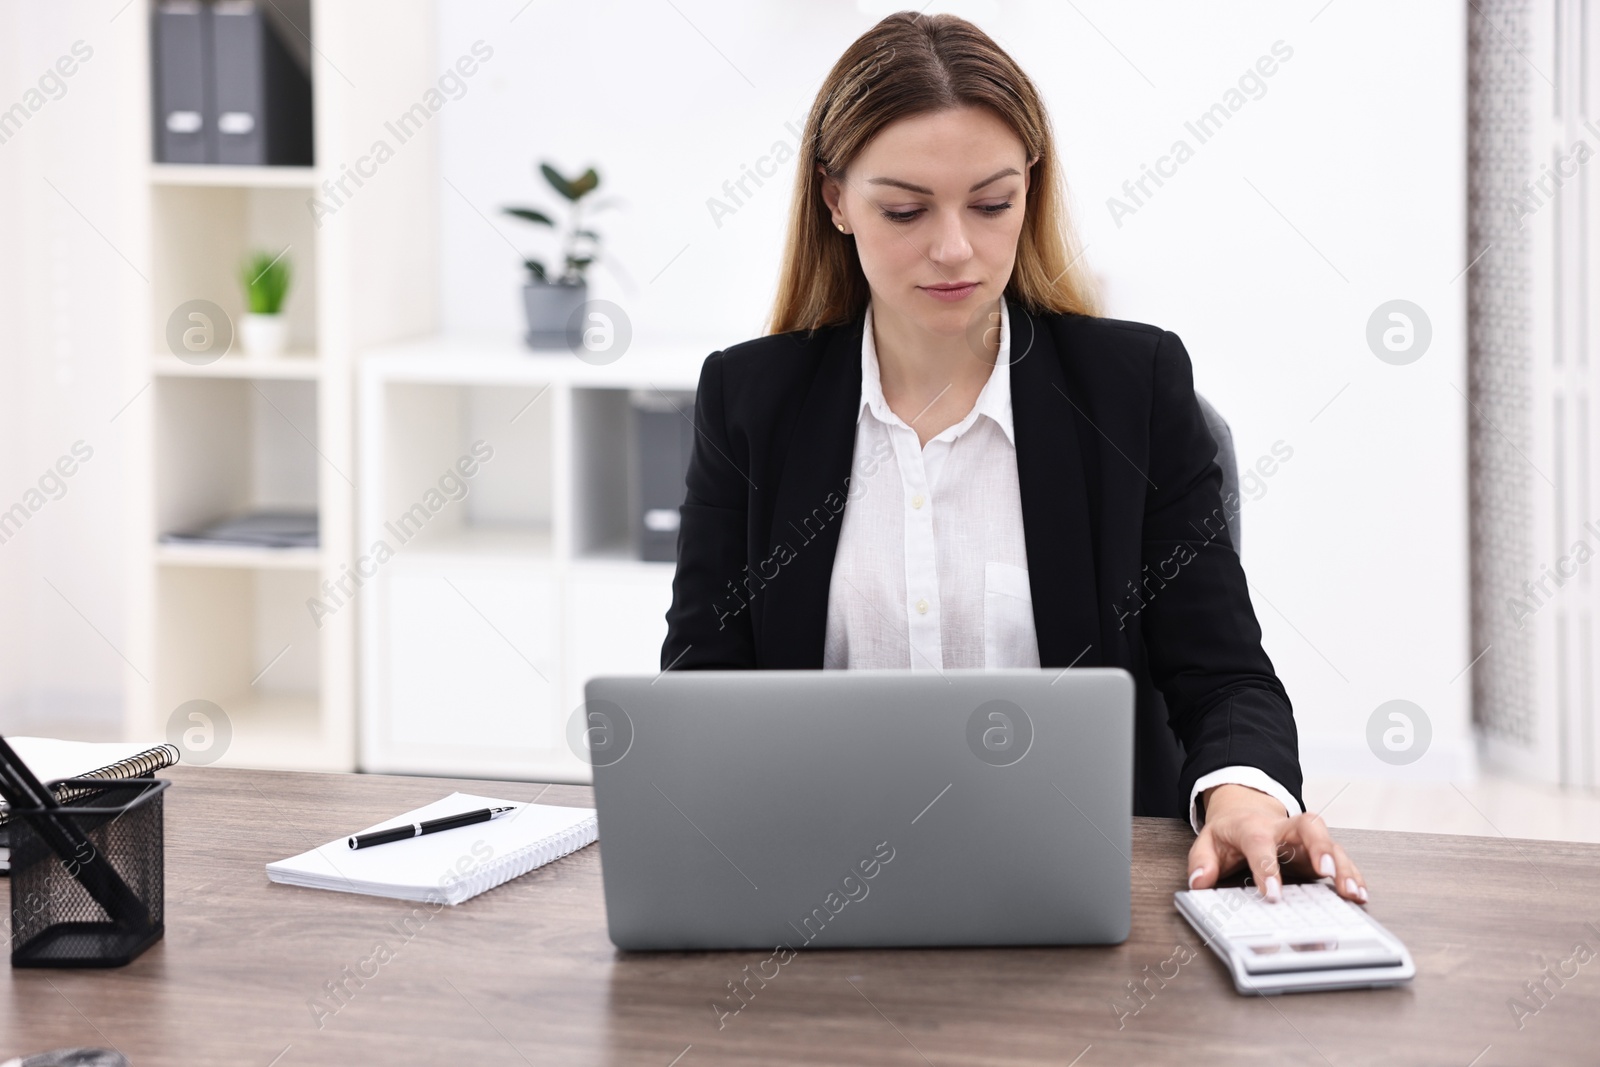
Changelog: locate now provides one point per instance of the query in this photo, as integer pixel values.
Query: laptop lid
(757, 809)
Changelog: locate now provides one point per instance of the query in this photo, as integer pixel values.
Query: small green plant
(580, 245)
(265, 278)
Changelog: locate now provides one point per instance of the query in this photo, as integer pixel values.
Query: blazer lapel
(809, 508)
(1048, 420)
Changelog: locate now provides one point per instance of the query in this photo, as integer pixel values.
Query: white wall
(63, 287)
(1339, 188)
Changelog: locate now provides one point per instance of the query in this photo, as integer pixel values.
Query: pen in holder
(87, 877)
(94, 919)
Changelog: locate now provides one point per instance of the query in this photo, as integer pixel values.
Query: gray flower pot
(552, 311)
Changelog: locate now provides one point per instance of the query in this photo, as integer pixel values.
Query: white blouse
(931, 570)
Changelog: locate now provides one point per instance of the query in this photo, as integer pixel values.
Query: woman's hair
(913, 64)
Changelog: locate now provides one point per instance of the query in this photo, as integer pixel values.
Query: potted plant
(264, 331)
(551, 303)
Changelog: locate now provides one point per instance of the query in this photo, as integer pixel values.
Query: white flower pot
(264, 335)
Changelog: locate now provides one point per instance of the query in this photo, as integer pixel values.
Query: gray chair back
(1226, 460)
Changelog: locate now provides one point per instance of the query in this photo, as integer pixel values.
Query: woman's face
(935, 203)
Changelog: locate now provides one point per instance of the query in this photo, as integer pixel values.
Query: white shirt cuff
(1254, 777)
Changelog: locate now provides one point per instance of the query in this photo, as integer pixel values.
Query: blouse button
(916, 501)
(922, 607)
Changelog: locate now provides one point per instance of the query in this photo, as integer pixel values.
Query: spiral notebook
(450, 866)
(50, 759)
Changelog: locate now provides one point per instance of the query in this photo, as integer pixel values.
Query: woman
(940, 457)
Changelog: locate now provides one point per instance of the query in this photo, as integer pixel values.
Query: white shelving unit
(233, 626)
(1536, 612)
(478, 633)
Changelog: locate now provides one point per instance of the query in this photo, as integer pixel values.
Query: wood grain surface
(525, 973)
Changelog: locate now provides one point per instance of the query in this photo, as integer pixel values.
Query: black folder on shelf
(262, 528)
(263, 97)
(664, 437)
(180, 65)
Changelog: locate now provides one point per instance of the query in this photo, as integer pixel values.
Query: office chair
(1158, 754)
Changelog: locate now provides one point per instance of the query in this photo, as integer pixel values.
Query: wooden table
(525, 973)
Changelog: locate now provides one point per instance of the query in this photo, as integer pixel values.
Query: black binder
(180, 66)
(263, 97)
(664, 436)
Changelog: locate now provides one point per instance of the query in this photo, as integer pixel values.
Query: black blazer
(1124, 525)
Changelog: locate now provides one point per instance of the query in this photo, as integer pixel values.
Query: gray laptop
(834, 809)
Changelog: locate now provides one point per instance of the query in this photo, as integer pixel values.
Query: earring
(841, 227)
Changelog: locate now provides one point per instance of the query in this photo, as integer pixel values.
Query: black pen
(430, 826)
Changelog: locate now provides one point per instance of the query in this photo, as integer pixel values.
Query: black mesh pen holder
(100, 904)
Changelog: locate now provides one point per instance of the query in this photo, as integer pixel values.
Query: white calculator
(1312, 939)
